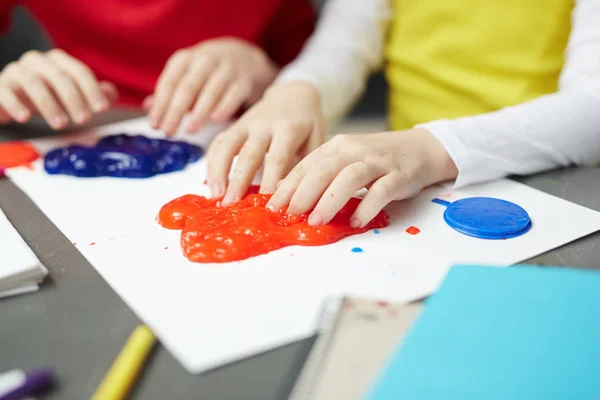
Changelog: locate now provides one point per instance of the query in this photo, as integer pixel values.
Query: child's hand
(287, 122)
(55, 85)
(212, 79)
(392, 165)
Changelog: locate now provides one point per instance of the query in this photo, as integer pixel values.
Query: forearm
(345, 49)
(552, 131)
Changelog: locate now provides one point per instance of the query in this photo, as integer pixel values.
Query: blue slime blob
(487, 218)
(122, 156)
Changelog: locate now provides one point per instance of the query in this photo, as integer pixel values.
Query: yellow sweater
(452, 58)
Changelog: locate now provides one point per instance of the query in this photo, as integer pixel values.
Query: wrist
(302, 89)
(438, 164)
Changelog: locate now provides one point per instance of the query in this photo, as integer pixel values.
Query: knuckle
(31, 55)
(57, 52)
(11, 69)
(386, 188)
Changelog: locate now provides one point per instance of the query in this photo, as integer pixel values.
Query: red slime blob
(214, 234)
(16, 154)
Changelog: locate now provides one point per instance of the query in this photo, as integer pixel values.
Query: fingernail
(58, 121)
(217, 190)
(315, 219)
(153, 121)
(22, 115)
(100, 105)
(81, 116)
(270, 207)
(192, 126)
(354, 223)
(229, 198)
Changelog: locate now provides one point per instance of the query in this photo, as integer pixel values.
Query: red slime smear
(413, 230)
(92, 243)
(214, 234)
(16, 154)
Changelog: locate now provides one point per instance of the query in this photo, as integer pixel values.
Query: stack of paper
(20, 270)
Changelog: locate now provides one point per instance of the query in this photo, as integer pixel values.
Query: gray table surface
(77, 324)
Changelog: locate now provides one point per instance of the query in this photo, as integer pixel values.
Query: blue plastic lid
(487, 218)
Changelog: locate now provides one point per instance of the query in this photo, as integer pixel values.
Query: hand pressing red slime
(16, 154)
(214, 234)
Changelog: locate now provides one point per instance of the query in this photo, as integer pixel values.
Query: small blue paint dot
(377, 231)
(357, 250)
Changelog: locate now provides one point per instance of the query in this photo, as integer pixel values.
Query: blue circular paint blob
(376, 231)
(487, 218)
(357, 250)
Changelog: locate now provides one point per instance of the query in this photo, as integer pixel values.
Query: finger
(249, 161)
(235, 96)
(314, 184)
(220, 157)
(186, 93)
(381, 193)
(287, 187)
(351, 179)
(109, 90)
(279, 158)
(84, 78)
(60, 82)
(147, 103)
(40, 96)
(12, 107)
(166, 84)
(211, 93)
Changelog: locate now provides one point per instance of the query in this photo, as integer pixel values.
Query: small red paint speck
(382, 304)
(206, 181)
(92, 243)
(74, 243)
(413, 230)
(166, 248)
(291, 254)
(331, 194)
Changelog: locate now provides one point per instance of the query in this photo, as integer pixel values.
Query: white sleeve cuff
(442, 130)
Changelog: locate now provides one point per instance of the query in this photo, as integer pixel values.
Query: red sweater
(127, 42)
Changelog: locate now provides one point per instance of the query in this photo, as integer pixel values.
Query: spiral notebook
(357, 338)
(20, 269)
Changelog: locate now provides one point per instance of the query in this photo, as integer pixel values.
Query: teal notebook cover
(514, 333)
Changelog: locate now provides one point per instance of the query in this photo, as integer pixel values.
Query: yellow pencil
(122, 374)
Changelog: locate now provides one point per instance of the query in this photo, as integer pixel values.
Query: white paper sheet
(20, 270)
(210, 314)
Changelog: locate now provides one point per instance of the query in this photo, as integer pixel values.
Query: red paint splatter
(92, 243)
(382, 304)
(206, 182)
(331, 194)
(17, 154)
(166, 248)
(413, 230)
(74, 243)
(211, 233)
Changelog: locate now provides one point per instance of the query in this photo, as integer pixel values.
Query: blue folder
(521, 332)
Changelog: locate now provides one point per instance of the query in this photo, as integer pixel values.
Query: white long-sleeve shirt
(554, 130)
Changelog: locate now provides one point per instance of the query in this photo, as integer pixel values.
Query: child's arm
(346, 48)
(552, 131)
(329, 76)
